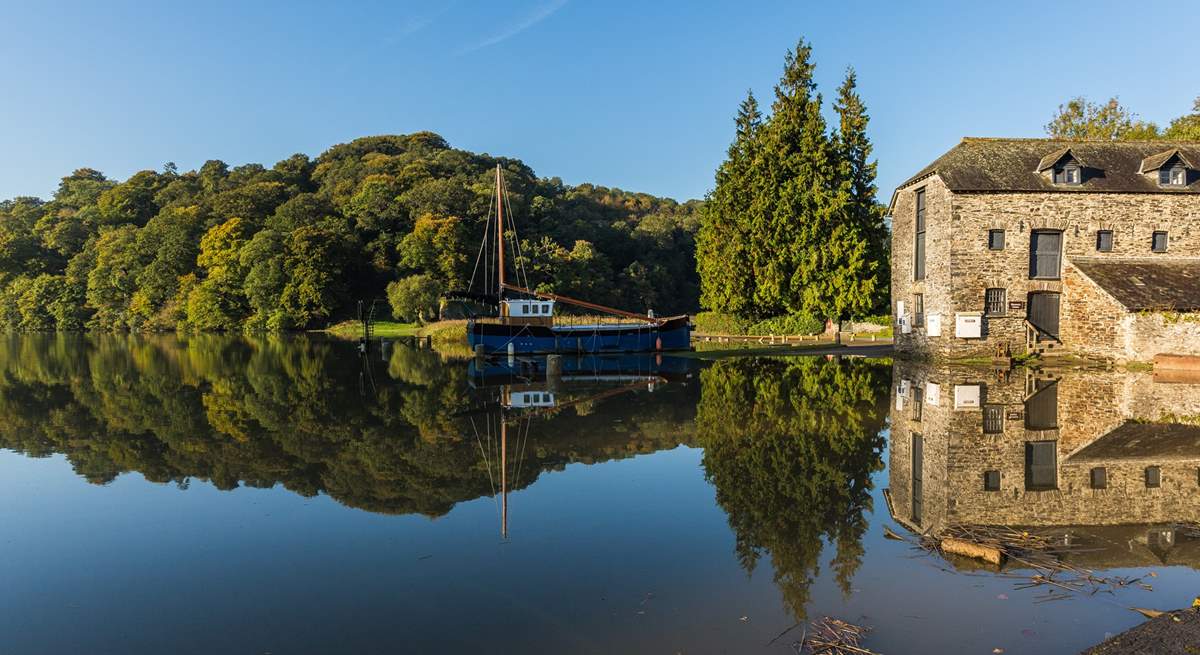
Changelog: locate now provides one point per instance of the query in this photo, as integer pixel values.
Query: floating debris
(830, 636)
(1002, 546)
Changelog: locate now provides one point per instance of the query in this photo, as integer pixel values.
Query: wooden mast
(500, 230)
(503, 477)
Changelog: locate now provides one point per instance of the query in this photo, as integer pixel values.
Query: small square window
(1099, 478)
(994, 302)
(993, 419)
(995, 239)
(991, 480)
(1153, 477)
(1071, 173)
(1104, 241)
(1159, 242)
(1174, 176)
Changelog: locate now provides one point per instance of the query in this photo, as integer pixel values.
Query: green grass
(353, 329)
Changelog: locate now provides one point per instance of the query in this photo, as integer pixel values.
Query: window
(991, 480)
(919, 246)
(1068, 173)
(918, 401)
(1104, 241)
(1173, 176)
(1099, 478)
(1041, 465)
(994, 302)
(995, 239)
(1045, 254)
(1153, 477)
(993, 419)
(1159, 242)
(919, 309)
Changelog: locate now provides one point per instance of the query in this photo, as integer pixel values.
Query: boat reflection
(518, 391)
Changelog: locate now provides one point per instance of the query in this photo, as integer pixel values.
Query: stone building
(1050, 246)
(1102, 456)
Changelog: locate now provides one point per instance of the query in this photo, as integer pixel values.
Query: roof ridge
(1057, 139)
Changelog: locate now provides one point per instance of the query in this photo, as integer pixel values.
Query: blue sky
(638, 95)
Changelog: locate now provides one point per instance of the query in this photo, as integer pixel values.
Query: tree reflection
(286, 410)
(790, 446)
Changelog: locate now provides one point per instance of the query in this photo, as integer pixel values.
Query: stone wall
(937, 283)
(1149, 334)
(1091, 404)
(961, 267)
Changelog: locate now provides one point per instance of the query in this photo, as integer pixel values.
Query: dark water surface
(285, 495)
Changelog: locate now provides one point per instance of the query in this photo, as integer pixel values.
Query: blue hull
(672, 334)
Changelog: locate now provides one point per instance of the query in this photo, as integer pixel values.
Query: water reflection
(790, 445)
(1104, 458)
(292, 411)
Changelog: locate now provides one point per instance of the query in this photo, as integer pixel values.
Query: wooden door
(1043, 312)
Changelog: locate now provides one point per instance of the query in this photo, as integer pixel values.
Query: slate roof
(1148, 283)
(1142, 441)
(979, 164)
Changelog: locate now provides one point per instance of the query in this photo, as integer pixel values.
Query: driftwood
(987, 553)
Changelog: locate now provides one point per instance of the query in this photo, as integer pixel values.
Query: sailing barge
(527, 323)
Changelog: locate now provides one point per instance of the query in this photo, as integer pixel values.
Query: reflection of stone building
(1081, 449)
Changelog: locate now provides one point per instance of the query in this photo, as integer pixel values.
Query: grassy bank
(353, 329)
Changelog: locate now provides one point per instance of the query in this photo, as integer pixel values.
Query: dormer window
(1069, 172)
(1173, 176)
(1063, 167)
(1172, 168)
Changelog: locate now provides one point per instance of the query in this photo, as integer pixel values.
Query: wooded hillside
(296, 245)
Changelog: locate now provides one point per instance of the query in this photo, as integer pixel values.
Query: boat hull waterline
(496, 338)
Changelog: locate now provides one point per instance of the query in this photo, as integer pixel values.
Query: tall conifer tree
(858, 174)
(722, 244)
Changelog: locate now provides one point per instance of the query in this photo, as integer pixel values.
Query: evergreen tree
(858, 174)
(722, 243)
(792, 226)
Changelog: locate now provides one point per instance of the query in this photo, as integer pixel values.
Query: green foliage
(1080, 118)
(790, 325)
(171, 249)
(720, 323)
(793, 225)
(414, 298)
(1187, 127)
(877, 319)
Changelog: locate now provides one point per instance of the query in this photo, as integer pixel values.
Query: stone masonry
(969, 195)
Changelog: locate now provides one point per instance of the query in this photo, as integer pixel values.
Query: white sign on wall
(933, 325)
(933, 393)
(968, 325)
(966, 396)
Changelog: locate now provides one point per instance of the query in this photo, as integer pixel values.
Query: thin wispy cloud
(417, 23)
(534, 17)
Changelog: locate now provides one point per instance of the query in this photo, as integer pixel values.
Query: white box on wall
(968, 325)
(966, 396)
(933, 325)
(933, 393)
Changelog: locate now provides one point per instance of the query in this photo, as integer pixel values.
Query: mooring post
(554, 370)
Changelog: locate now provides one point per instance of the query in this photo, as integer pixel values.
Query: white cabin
(528, 308)
(520, 399)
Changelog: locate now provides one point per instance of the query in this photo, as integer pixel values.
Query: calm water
(285, 495)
